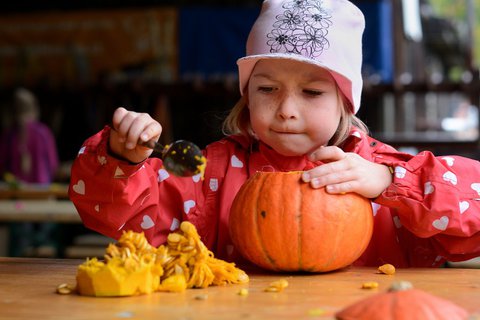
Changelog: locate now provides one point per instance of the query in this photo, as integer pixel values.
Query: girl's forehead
(273, 67)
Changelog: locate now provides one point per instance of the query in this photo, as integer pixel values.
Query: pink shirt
(429, 213)
(41, 148)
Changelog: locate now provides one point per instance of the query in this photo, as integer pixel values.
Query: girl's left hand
(347, 172)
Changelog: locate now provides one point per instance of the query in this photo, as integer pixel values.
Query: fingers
(151, 131)
(118, 116)
(348, 173)
(327, 154)
(334, 168)
(133, 127)
(329, 174)
(337, 174)
(341, 188)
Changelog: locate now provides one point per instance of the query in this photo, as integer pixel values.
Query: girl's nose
(287, 108)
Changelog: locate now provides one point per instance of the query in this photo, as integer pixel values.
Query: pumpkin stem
(400, 286)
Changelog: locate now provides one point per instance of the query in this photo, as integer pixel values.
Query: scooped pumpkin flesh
(95, 278)
(132, 266)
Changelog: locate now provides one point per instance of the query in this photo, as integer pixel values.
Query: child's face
(294, 107)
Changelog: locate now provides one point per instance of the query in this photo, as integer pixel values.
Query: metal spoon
(182, 158)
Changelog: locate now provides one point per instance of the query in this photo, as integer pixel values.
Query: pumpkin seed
(277, 286)
(174, 237)
(387, 269)
(64, 288)
(243, 292)
(370, 285)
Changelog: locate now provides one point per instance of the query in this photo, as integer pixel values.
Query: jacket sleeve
(112, 195)
(435, 198)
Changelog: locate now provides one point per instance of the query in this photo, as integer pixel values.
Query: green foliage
(456, 10)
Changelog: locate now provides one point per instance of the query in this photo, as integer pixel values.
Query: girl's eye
(313, 92)
(266, 89)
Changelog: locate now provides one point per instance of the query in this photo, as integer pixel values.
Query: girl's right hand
(129, 129)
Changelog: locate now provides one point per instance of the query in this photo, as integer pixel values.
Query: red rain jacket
(429, 214)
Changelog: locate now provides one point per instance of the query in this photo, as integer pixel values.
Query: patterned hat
(325, 33)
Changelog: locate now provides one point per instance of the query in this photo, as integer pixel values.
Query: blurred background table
(38, 210)
(34, 191)
(42, 205)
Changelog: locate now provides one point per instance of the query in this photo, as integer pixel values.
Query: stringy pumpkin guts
(185, 254)
(202, 166)
(132, 266)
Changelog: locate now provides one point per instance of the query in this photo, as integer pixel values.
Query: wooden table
(27, 291)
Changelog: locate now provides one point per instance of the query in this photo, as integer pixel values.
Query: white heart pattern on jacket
(79, 187)
(235, 162)
(162, 175)
(102, 160)
(175, 224)
(464, 205)
(476, 186)
(147, 222)
(187, 205)
(449, 160)
(441, 224)
(428, 188)
(196, 178)
(449, 176)
(400, 172)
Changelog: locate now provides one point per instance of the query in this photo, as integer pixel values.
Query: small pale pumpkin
(280, 223)
(403, 302)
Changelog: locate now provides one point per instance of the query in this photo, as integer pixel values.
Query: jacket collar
(264, 158)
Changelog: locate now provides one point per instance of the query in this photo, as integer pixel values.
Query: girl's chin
(290, 147)
(289, 152)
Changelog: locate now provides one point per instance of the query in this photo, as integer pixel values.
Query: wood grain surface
(28, 291)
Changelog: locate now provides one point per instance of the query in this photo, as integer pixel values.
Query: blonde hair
(238, 121)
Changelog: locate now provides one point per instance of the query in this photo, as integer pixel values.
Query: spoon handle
(156, 146)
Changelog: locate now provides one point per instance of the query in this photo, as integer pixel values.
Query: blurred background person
(28, 154)
(27, 147)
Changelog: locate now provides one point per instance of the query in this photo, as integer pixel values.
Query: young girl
(301, 85)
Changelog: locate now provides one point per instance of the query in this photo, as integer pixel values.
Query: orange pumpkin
(402, 302)
(280, 223)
